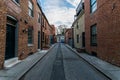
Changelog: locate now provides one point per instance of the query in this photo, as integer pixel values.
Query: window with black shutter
(93, 5)
(30, 35)
(30, 8)
(93, 35)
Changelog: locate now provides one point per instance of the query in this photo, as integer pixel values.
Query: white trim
(11, 25)
(11, 62)
(16, 3)
(39, 50)
(30, 45)
(12, 17)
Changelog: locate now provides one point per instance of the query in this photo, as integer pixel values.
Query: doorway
(83, 39)
(10, 42)
(11, 46)
(38, 40)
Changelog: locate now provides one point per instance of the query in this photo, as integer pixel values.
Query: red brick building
(44, 32)
(22, 25)
(68, 36)
(102, 29)
(48, 33)
(53, 30)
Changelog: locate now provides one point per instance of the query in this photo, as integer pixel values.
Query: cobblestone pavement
(63, 64)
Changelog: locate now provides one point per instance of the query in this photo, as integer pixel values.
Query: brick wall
(2, 32)
(24, 49)
(107, 18)
(68, 35)
(24, 21)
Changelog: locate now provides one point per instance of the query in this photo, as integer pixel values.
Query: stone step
(11, 62)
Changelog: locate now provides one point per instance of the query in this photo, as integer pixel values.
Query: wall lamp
(24, 30)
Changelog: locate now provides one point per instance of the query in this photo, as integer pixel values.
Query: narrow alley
(59, 39)
(63, 64)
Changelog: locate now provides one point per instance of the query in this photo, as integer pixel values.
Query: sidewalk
(17, 71)
(109, 70)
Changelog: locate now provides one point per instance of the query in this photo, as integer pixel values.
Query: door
(10, 42)
(83, 39)
(38, 40)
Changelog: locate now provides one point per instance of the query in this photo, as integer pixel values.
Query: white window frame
(30, 8)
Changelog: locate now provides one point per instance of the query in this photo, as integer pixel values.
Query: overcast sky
(59, 12)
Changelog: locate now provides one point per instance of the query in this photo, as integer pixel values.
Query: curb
(88, 62)
(22, 75)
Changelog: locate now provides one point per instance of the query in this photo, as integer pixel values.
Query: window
(16, 1)
(93, 35)
(30, 6)
(77, 38)
(93, 5)
(43, 36)
(44, 24)
(77, 25)
(42, 21)
(30, 35)
(39, 18)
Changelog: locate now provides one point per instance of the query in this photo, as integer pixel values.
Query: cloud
(60, 12)
(74, 2)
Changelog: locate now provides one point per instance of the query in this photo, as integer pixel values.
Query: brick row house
(68, 36)
(48, 34)
(52, 34)
(102, 25)
(78, 27)
(102, 29)
(22, 29)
